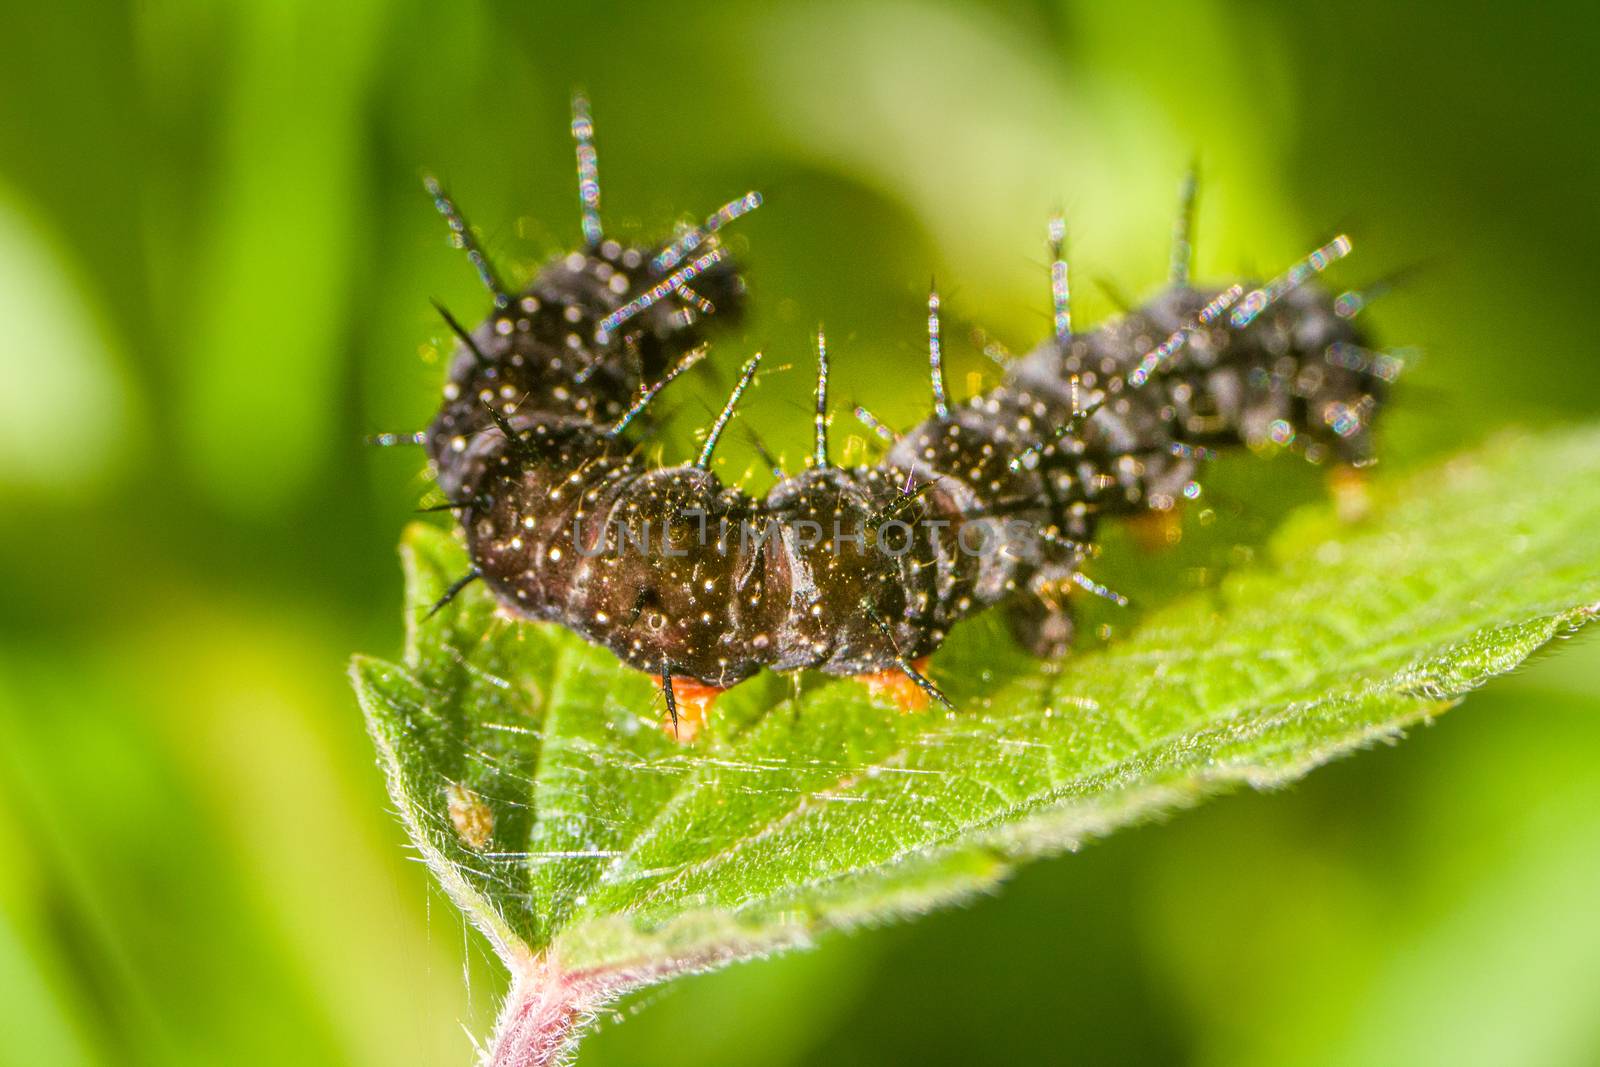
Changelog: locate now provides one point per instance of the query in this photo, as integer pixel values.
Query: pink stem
(538, 1026)
(548, 1006)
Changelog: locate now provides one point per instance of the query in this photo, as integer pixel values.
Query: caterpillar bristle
(465, 239)
(904, 664)
(733, 210)
(1152, 361)
(648, 393)
(924, 683)
(879, 429)
(1181, 260)
(713, 435)
(997, 352)
(1259, 300)
(768, 458)
(820, 454)
(390, 440)
(695, 300)
(461, 333)
(650, 297)
(941, 404)
(514, 440)
(452, 591)
(909, 494)
(1113, 292)
(1083, 581)
(588, 170)
(1352, 302)
(1060, 289)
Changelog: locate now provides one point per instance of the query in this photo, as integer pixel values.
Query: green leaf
(599, 855)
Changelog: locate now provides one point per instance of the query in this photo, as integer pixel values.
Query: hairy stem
(542, 1016)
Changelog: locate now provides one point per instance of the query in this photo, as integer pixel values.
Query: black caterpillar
(860, 570)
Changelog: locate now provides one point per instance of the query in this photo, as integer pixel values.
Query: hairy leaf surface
(531, 770)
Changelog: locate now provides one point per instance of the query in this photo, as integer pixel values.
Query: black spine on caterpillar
(995, 499)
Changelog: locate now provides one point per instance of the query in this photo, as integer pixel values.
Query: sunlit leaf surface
(533, 775)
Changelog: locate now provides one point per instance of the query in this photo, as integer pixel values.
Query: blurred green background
(215, 265)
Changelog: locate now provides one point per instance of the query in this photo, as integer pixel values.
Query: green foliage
(215, 262)
(615, 851)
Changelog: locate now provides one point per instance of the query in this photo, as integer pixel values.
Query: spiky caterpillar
(992, 500)
(585, 334)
